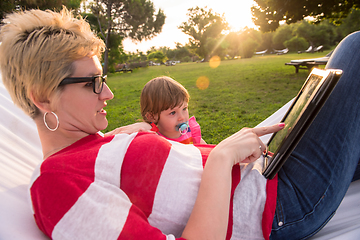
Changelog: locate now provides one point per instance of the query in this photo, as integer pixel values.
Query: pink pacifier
(183, 128)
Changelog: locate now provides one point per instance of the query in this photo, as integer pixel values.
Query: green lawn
(241, 92)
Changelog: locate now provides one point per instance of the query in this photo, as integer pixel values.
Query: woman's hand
(244, 146)
(209, 217)
(136, 127)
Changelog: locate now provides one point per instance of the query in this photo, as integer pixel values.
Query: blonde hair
(160, 94)
(37, 51)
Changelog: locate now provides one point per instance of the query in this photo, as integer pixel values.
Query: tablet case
(308, 102)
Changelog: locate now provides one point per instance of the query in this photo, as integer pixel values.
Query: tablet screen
(297, 109)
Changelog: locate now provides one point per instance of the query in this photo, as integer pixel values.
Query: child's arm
(136, 127)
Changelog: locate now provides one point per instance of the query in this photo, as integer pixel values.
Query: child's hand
(136, 127)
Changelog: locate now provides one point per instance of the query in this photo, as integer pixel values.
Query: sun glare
(237, 13)
(214, 62)
(202, 82)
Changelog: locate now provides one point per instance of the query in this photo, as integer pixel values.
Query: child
(164, 105)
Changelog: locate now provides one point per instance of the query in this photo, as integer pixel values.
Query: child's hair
(37, 52)
(160, 94)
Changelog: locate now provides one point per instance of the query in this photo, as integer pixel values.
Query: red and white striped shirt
(139, 186)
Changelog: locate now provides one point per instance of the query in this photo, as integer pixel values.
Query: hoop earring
(57, 122)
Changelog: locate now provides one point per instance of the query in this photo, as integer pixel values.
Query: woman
(141, 186)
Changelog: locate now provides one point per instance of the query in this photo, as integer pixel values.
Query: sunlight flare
(202, 82)
(215, 61)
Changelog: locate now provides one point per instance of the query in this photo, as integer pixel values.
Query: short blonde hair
(160, 94)
(37, 51)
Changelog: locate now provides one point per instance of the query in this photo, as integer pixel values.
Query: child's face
(170, 118)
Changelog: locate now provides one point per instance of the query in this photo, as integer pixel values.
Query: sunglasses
(97, 82)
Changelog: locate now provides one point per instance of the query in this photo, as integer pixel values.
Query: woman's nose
(106, 93)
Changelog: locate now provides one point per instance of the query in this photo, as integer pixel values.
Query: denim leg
(316, 176)
(357, 173)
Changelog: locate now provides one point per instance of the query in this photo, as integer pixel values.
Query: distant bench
(308, 63)
(305, 65)
(124, 69)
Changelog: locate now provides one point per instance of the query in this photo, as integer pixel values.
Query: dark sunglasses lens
(98, 84)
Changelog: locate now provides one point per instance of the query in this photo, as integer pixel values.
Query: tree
(234, 44)
(268, 13)
(128, 18)
(266, 41)
(249, 40)
(7, 6)
(351, 23)
(116, 52)
(182, 53)
(282, 34)
(320, 34)
(157, 56)
(296, 44)
(216, 46)
(203, 26)
(248, 47)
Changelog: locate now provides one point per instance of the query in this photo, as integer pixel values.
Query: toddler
(164, 105)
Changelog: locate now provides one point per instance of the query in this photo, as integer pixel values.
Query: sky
(237, 14)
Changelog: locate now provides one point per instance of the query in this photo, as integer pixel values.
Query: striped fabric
(146, 192)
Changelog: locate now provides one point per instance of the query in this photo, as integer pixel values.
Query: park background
(228, 55)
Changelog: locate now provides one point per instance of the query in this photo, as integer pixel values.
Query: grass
(241, 93)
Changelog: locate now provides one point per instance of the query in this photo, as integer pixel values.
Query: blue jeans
(316, 176)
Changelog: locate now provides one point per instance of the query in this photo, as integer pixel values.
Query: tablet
(298, 118)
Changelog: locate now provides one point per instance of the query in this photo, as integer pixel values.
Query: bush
(296, 44)
(248, 48)
(186, 59)
(281, 35)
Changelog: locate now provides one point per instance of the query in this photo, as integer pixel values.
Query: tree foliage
(242, 43)
(319, 34)
(297, 44)
(234, 44)
(7, 6)
(249, 40)
(282, 34)
(157, 56)
(351, 23)
(135, 19)
(266, 41)
(180, 52)
(204, 27)
(268, 13)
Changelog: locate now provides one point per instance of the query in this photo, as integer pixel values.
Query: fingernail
(282, 125)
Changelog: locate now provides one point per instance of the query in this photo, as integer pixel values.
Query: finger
(143, 130)
(250, 159)
(260, 131)
(114, 132)
(262, 147)
(255, 155)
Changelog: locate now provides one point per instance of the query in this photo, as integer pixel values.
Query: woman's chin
(102, 125)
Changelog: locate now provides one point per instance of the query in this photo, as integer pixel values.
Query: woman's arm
(209, 218)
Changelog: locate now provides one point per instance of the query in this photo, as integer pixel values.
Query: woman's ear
(41, 104)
